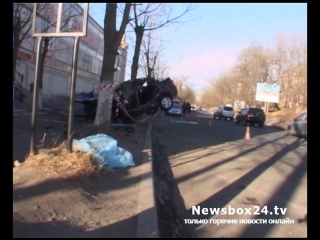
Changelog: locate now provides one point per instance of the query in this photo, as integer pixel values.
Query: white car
(224, 112)
(175, 111)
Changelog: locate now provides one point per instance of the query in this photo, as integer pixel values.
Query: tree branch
(124, 22)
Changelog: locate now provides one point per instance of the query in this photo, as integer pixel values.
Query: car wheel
(290, 131)
(231, 119)
(261, 125)
(165, 101)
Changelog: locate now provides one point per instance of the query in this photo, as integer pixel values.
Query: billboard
(267, 92)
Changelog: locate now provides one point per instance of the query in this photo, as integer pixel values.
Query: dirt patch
(52, 198)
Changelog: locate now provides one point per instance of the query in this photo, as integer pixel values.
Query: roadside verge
(147, 226)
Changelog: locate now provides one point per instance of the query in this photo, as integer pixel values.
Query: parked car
(176, 110)
(298, 127)
(224, 112)
(251, 116)
(176, 102)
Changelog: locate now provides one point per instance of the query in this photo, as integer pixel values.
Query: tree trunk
(111, 44)
(15, 58)
(135, 60)
(103, 114)
(41, 68)
(151, 69)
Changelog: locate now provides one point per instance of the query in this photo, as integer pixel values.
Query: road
(215, 167)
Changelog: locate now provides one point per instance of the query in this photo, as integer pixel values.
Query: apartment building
(58, 62)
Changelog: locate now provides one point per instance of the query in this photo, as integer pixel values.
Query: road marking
(179, 121)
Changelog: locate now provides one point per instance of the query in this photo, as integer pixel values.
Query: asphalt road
(215, 167)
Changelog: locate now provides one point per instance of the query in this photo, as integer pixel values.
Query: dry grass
(58, 162)
(284, 116)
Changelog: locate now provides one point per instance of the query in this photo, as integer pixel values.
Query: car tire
(261, 125)
(231, 119)
(165, 101)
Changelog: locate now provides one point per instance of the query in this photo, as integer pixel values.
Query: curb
(147, 226)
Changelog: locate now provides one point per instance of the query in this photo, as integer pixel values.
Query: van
(224, 112)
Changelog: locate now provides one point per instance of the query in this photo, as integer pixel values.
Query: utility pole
(266, 104)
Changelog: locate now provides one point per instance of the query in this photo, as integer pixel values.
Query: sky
(207, 43)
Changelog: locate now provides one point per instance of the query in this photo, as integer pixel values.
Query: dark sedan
(251, 116)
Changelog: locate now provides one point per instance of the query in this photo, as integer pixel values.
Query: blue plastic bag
(106, 151)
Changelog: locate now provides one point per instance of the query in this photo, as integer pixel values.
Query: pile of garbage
(106, 151)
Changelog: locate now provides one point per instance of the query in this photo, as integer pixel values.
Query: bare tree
(149, 17)
(160, 69)
(112, 42)
(150, 60)
(290, 51)
(149, 55)
(185, 90)
(254, 65)
(285, 65)
(22, 15)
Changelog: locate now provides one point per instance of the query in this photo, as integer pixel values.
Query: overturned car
(133, 101)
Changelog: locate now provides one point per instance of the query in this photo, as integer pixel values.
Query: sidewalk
(119, 203)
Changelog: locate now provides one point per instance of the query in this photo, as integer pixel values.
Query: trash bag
(106, 151)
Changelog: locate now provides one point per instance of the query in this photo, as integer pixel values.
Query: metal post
(267, 108)
(33, 146)
(72, 92)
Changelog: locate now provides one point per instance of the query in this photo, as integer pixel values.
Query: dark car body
(251, 116)
(138, 97)
(298, 127)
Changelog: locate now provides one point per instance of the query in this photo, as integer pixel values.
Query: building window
(87, 62)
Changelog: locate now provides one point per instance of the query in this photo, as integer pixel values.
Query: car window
(255, 110)
(228, 108)
(244, 111)
(301, 117)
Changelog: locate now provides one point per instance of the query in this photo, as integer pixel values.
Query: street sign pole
(59, 32)
(33, 146)
(72, 92)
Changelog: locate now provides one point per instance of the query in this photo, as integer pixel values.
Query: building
(57, 68)
(294, 87)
